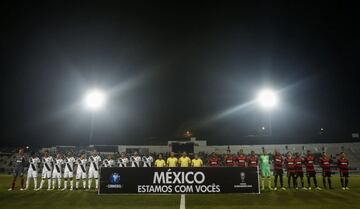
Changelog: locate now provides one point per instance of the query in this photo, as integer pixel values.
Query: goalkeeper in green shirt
(265, 169)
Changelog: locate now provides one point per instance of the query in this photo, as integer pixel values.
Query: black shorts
(344, 173)
(278, 172)
(300, 174)
(18, 172)
(326, 173)
(311, 174)
(293, 174)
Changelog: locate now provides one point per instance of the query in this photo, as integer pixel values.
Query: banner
(205, 180)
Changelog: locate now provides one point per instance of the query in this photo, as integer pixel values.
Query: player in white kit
(81, 171)
(69, 171)
(32, 171)
(57, 171)
(48, 163)
(108, 162)
(135, 160)
(147, 160)
(123, 160)
(94, 161)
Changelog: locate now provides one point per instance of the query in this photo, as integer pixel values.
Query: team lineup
(59, 171)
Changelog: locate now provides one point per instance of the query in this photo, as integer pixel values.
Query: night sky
(177, 66)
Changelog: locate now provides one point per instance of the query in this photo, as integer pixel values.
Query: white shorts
(93, 174)
(32, 174)
(80, 174)
(56, 175)
(68, 174)
(46, 174)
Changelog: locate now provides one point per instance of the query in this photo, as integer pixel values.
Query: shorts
(32, 174)
(278, 172)
(289, 174)
(68, 174)
(326, 173)
(344, 173)
(93, 174)
(56, 175)
(80, 175)
(310, 174)
(18, 172)
(300, 174)
(46, 174)
(265, 172)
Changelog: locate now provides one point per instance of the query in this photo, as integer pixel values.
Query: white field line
(182, 202)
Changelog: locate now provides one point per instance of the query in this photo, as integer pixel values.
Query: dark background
(176, 66)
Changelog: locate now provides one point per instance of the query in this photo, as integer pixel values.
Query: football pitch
(325, 199)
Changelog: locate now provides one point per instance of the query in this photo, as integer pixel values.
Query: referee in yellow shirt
(172, 161)
(160, 162)
(184, 160)
(196, 162)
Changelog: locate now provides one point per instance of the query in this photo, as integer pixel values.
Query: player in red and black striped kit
(290, 167)
(213, 161)
(278, 169)
(309, 161)
(252, 160)
(299, 169)
(343, 164)
(229, 160)
(241, 159)
(325, 163)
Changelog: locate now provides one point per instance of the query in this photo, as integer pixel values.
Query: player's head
(58, 156)
(94, 152)
(33, 155)
(276, 152)
(252, 153)
(123, 154)
(213, 154)
(196, 156)
(297, 154)
(160, 156)
(69, 154)
(184, 154)
(21, 151)
(309, 152)
(136, 153)
(172, 154)
(264, 150)
(342, 154)
(109, 157)
(241, 151)
(46, 153)
(82, 156)
(288, 154)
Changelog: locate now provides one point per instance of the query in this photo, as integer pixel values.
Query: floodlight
(267, 99)
(94, 99)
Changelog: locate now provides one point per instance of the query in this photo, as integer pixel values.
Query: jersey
(122, 162)
(290, 165)
(184, 161)
(107, 163)
(197, 162)
(58, 165)
(33, 164)
(147, 161)
(278, 162)
(48, 163)
(94, 162)
(309, 163)
(229, 161)
(325, 164)
(69, 164)
(213, 162)
(19, 165)
(135, 161)
(81, 165)
(241, 160)
(253, 161)
(160, 163)
(343, 165)
(298, 164)
(264, 162)
(172, 161)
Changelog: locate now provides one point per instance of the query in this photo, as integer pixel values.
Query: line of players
(63, 167)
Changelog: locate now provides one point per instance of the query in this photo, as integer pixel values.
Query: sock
(308, 182)
(281, 181)
(27, 183)
(315, 182)
(262, 183)
(302, 182)
(13, 183)
(49, 183)
(275, 180)
(346, 182)
(324, 182)
(35, 183)
(342, 182)
(77, 184)
(53, 183)
(329, 182)
(84, 183)
(71, 184)
(269, 182)
(22, 182)
(90, 181)
(41, 183)
(59, 183)
(65, 184)
(97, 183)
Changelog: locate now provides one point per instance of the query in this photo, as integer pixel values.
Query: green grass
(326, 199)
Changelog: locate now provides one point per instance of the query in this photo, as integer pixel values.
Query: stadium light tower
(268, 100)
(94, 101)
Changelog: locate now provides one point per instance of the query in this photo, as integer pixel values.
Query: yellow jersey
(160, 163)
(196, 162)
(184, 161)
(172, 161)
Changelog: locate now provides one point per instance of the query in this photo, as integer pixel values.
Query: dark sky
(174, 66)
